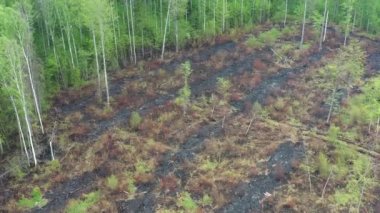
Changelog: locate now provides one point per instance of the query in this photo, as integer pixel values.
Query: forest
(189, 106)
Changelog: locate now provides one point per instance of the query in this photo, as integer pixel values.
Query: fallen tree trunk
(323, 137)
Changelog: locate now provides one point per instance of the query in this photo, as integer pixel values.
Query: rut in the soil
(198, 88)
(116, 86)
(71, 189)
(249, 196)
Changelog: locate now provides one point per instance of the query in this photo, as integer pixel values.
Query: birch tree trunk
(323, 27)
(97, 65)
(104, 62)
(166, 27)
(35, 98)
(133, 31)
(22, 137)
(286, 12)
(303, 24)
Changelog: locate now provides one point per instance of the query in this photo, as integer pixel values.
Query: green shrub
(333, 134)
(54, 166)
(112, 182)
(186, 202)
(323, 165)
(361, 177)
(183, 96)
(208, 165)
(35, 201)
(206, 200)
(279, 105)
(185, 92)
(223, 86)
(143, 167)
(79, 206)
(135, 120)
(253, 42)
(269, 37)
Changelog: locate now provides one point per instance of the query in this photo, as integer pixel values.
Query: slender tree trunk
(22, 137)
(18, 78)
(104, 63)
(69, 43)
(33, 90)
(204, 15)
(241, 12)
(166, 27)
(216, 3)
(250, 124)
(30, 135)
(161, 17)
(223, 15)
(368, 25)
(75, 49)
(323, 27)
(327, 19)
(133, 31)
(114, 34)
(286, 12)
(142, 43)
(129, 32)
(331, 107)
(97, 65)
(303, 24)
(176, 27)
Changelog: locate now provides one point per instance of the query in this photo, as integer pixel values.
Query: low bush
(83, 205)
(135, 120)
(35, 201)
(253, 42)
(112, 182)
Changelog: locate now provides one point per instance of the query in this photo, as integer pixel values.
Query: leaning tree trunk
(33, 90)
(166, 27)
(323, 27)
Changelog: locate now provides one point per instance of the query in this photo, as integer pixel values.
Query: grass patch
(36, 200)
(79, 206)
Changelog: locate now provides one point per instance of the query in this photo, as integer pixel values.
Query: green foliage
(82, 205)
(360, 177)
(350, 168)
(206, 200)
(186, 69)
(54, 166)
(186, 202)
(135, 120)
(143, 167)
(36, 200)
(185, 92)
(131, 186)
(253, 42)
(208, 165)
(112, 182)
(279, 104)
(333, 134)
(323, 165)
(223, 86)
(269, 37)
(183, 96)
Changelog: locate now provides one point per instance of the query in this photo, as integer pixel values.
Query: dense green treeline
(48, 45)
